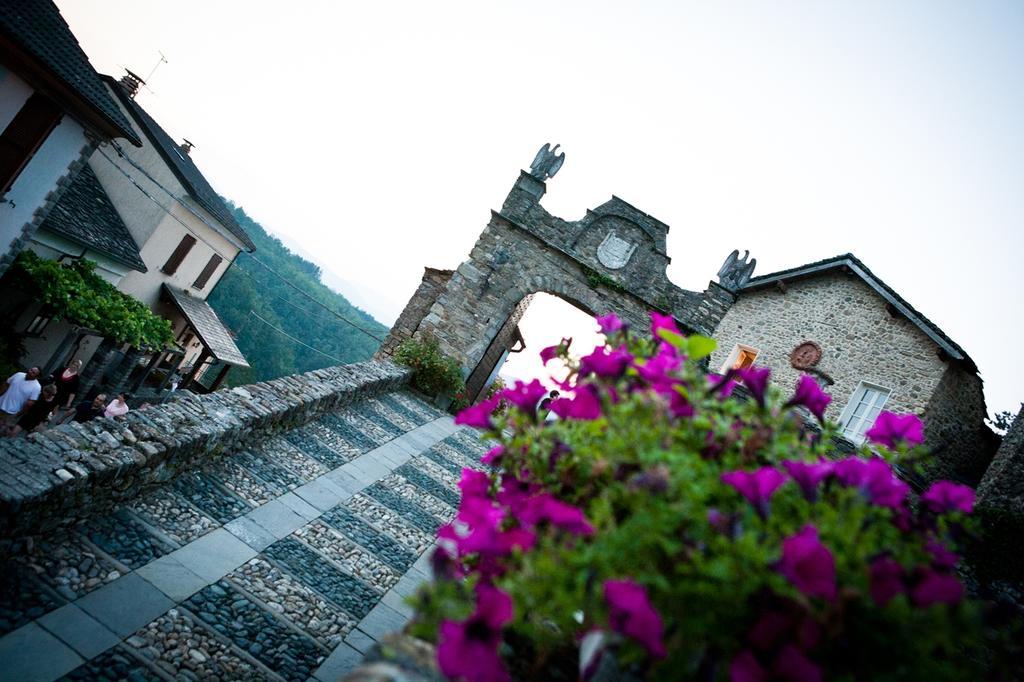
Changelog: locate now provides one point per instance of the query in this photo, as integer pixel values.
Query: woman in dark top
(38, 413)
(67, 383)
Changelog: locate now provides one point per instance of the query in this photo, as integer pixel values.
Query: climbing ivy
(596, 279)
(74, 292)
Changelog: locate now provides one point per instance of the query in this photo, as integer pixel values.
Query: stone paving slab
(171, 577)
(214, 554)
(31, 654)
(251, 533)
(342, 660)
(83, 633)
(276, 518)
(125, 605)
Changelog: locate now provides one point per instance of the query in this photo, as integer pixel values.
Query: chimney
(185, 147)
(131, 82)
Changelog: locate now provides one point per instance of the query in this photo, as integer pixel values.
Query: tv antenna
(163, 60)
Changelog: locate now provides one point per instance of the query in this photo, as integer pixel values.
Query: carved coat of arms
(614, 252)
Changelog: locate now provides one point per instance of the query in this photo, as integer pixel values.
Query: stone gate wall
(57, 476)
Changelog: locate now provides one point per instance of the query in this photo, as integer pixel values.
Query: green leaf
(699, 347)
(676, 340)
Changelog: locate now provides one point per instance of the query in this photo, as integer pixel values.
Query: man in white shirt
(18, 394)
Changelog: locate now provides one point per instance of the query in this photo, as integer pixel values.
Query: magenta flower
(658, 369)
(605, 363)
(886, 580)
(551, 352)
(525, 396)
(479, 415)
(756, 381)
(609, 324)
(937, 588)
(474, 483)
(809, 564)
(946, 496)
(808, 476)
(546, 507)
(792, 664)
(583, 406)
(809, 394)
(468, 650)
(942, 556)
(659, 321)
(875, 479)
(631, 614)
(515, 493)
(891, 429)
(493, 456)
(745, 668)
(721, 385)
(757, 486)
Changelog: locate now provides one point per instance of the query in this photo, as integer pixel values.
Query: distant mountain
(333, 332)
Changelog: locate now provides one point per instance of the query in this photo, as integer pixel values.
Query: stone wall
(860, 340)
(426, 294)
(955, 427)
(59, 475)
(525, 250)
(1002, 488)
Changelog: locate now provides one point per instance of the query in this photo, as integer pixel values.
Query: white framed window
(740, 357)
(862, 410)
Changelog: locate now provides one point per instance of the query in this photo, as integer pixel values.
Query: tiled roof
(208, 327)
(85, 215)
(848, 260)
(37, 27)
(182, 166)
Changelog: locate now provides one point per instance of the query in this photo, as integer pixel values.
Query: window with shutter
(207, 272)
(172, 264)
(862, 411)
(24, 135)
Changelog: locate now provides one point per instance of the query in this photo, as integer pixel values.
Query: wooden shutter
(208, 271)
(171, 266)
(24, 135)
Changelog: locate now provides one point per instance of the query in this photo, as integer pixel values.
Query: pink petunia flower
(875, 479)
(525, 396)
(756, 380)
(808, 475)
(474, 483)
(809, 394)
(946, 496)
(468, 649)
(479, 415)
(605, 363)
(609, 324)
(757, 486)
(493, 456)
(937, 588)
(631, 614)
(584, 405)
(792, 664)
(657, 370)
(659, 321)
(809, 564)
(745, 668)
(551, 352)
(886, 580)
(559, 514)
(891, 429)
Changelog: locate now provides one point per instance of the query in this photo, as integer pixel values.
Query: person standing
(67, 383)
(88, 409)
(37, 413)
(118, 406)
(17, 395)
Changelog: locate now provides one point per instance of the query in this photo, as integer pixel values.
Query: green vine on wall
(596, 279)
(74, 292)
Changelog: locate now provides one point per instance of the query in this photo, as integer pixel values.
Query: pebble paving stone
(305, 441)
(435, 470)
(349, 431)
(400, 417)
(423, 480)
(23, 596)
(435, 455)
(349, 555)
(244, 483)
(183, 648)
(287, 455)
(374, 431)
(409, 510)
(456, 453)
(332, 440)
(323, 621)
(429, 503)
(385, 548)
(114, 665)
(64, 563)
(390, 522)
(287, 652)
(418, 405)
(368, 411)
(173, 515)
(213, 499)
(266, 468)
(347, 591)
(124, 538)
(414, 417)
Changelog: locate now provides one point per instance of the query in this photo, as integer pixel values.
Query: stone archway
(613, 259)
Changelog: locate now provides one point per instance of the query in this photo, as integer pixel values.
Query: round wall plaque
(806, 355)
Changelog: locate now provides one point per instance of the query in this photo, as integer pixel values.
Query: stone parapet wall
(1002, 488)
(60, 475)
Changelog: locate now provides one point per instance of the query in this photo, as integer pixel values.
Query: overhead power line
(306, 345)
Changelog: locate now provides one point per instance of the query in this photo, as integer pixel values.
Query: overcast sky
(377, 136)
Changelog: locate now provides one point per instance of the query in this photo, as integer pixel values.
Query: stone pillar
(92, 372)
(1000, 506)
(119, 378)
(196, 368)
(433, 283)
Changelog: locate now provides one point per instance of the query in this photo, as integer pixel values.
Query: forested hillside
(249, 291)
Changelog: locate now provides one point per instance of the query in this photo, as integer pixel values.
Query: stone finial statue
(736, 271)
(546, 163)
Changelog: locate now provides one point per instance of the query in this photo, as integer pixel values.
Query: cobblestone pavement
(285, 561)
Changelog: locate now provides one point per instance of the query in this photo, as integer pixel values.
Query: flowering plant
(662, 528)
